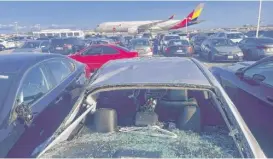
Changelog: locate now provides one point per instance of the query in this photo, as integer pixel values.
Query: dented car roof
(150, 71)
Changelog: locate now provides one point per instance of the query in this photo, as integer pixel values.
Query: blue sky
(91, 13)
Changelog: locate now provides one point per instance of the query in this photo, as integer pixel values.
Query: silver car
(141, 45)
(221, 49)
(256, 48)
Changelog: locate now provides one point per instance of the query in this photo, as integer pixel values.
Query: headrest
(177, 95)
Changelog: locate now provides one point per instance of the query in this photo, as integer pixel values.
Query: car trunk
(178, 49)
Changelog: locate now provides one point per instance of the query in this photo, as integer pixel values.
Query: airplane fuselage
(126, 25)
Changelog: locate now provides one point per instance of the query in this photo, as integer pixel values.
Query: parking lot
(73, 60)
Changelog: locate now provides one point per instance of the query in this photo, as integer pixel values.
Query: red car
(97, 55)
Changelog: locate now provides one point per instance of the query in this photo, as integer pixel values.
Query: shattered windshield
(151, 123)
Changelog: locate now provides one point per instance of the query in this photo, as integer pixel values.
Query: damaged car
(134, 110)
(40, 95)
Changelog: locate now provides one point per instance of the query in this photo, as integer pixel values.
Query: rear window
(72, 41)
(171, 37)
(140, 42)
(235, 36)
(267, 34)
(31, 45)
(179, 42)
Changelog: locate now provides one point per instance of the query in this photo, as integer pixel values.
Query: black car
(197, 40)
(178, 48)
(66, 46)
(40, 95)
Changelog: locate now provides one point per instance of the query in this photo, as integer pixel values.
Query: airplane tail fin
(196, 12)
(191, 18)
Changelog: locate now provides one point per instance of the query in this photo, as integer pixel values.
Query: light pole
(259, 19)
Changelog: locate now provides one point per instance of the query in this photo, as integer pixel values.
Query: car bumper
(218, 57)
(176, 54)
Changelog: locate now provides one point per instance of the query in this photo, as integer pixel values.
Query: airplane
(136, 27)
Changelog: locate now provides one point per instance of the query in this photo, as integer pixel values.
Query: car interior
(151, 123)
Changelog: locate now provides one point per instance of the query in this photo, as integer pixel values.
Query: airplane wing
(149, 25)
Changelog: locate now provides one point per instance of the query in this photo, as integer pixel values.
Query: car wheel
(210, 57)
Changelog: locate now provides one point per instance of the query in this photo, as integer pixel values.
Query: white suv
(236, 37)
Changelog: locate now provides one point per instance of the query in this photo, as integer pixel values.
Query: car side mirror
(258, 77)
(240, 72)
(24, 113)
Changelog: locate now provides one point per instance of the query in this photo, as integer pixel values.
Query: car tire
(210, 57)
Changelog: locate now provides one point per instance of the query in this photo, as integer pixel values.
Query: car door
(65, 91)
(33, 93)
(254, 101)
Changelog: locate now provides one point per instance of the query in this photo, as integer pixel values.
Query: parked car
(33, 46)
(66, 46)
(40, 95)
(250, 86)
(256, 48)
(119, 40)
(221, 49)
(141, 45)
(267, 33)
(156, 108)
(165, 39)
(197, 41)
(233, 36)
(178, 48)
(97, 55)
(7, 44)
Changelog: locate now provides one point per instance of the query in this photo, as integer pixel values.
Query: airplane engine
(133, 30)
